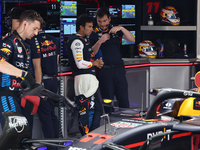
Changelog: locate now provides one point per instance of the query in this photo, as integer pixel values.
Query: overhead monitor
(91, 12)
(128, 11)
(125, 42)
(68, 8)
(68, 26)
(115, 11)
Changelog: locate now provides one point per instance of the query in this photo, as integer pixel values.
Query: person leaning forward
(14, 62)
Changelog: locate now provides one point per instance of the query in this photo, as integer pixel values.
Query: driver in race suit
(81, 59)
(15, 63)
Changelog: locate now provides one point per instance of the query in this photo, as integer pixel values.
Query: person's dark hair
(31, 16)
(15, 12)
(102, 11)
(82, 20)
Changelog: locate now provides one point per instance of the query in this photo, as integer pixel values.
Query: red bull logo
(197, 104)
(96, 30)
(86, 129)
(82, 110)
(47, 43)
(2, 59)
(92, 54)
(6, 50)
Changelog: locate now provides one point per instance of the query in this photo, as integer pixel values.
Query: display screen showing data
(128, 11)
(68, 25)
(68, 8)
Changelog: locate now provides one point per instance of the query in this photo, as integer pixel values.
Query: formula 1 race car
(171, 122)
(165, 126)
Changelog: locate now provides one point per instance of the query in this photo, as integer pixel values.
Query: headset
(8, 19)
(14, 13)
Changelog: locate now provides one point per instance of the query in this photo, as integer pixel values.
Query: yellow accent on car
(107, 101)
(187, 108)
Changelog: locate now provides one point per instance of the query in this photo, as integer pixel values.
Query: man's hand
(28, 82)
(101, 63)
(115, 29)
(104, 38)
(98, 63)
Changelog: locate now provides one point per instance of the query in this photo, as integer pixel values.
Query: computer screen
(68, 26)
(91, 12)
(128, 11)
(68, 8)
(115, 11)
(125, 42)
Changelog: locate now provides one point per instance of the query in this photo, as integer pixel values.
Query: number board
(152, 7)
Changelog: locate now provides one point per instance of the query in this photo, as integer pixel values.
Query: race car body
(164, 126)
(132, 133)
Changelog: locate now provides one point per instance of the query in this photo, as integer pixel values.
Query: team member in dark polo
(112, 79)
(45, 54)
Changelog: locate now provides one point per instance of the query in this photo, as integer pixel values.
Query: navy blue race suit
(81, 56)
(112, 79)
(46, 47)
(12, 51)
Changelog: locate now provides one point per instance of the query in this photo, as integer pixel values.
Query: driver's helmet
(170, 15)
(147, 49)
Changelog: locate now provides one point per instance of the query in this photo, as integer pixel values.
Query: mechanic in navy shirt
(15, 62)
(81, 59)
(45, 54)
(112, 79)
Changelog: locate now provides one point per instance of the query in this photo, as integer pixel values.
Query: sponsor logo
(79, 58)
(100, 34)
(86, 129)
(6, 45)
(38, 46)
(49, 54)
(92, 54)
(187, 93)
(49, 48)
(2, 59)
(77, 51)
(96, 30)
(77, 44)
(20, 56)
(92, 105)
(47, 43)
(19, 49)
(167, 106)
(6, 51)
(17, 122)
(79, 55)
(15, 83)
(77, 48)
(44, 37)
(122, 124)
(80, 111)
(76, 148)
(197, 104)
(22, 65)
(149, 135)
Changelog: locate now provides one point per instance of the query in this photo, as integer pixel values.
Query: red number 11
(150, 5)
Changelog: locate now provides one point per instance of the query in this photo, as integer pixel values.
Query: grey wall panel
(177, 77)
(138, 85)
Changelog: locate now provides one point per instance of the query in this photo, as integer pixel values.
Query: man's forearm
(96, 47)
(38, 69)
(128, 35)
(9, 69)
